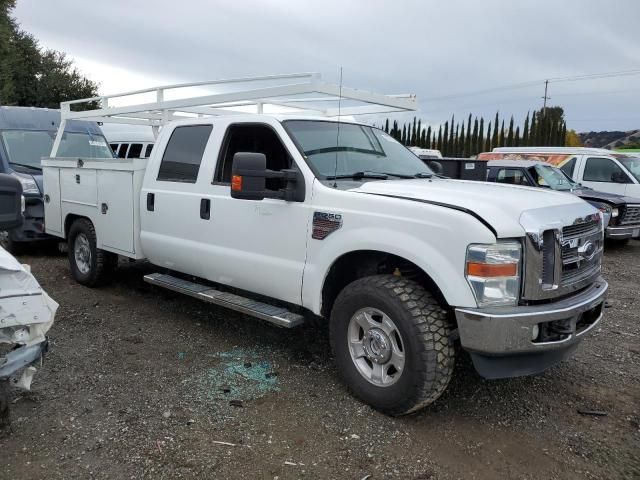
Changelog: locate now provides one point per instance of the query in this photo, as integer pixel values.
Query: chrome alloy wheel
(376, 347)
(82, 253)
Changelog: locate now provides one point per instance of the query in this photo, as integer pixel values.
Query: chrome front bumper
(629, 231)
(500, 339)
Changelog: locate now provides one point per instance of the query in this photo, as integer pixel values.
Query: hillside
(611, 140)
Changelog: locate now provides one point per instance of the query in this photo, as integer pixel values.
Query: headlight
(614, 212)
(29, 185)
(493, 272)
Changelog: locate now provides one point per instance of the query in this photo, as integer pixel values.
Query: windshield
(548, 176)
(27, 147)
(633, 165)
(354, 148)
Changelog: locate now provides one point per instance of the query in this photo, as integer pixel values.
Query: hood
(497, 205)
(610, 198)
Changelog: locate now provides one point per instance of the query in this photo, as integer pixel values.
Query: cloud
(429, 48)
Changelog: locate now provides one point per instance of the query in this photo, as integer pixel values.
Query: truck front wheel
(390, 339)
(90, 265)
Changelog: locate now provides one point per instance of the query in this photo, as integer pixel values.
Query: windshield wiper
(359, 175)
(33, 167)
(424, 175)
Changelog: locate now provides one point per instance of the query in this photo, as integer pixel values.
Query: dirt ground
(141, 383)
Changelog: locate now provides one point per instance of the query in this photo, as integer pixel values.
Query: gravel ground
(142, 383)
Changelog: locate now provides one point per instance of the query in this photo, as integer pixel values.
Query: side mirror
(619, 177)
(10, 202)
(249, 176)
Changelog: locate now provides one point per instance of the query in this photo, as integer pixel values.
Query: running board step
(277, 315)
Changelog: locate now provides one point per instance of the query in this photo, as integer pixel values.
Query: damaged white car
(26, 311)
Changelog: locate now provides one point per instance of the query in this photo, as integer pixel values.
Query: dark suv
(27, 135)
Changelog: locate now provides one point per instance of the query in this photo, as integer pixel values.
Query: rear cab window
(512, 176)
(183, 154)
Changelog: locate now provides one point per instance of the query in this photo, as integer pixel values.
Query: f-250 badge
(324, 224)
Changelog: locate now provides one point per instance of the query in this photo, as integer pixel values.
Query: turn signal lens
(236, 183)
(490, 270)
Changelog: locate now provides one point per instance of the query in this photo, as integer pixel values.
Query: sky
(458, 56)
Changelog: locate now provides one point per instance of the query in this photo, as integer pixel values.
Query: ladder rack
(289, 94)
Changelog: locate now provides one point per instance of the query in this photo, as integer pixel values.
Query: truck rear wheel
(390, 340)
(90, 266)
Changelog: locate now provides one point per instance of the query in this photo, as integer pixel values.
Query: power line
(573, 78)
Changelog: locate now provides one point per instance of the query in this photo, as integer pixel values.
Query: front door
(258, 246)
(606, 175)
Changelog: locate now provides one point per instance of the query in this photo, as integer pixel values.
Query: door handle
(151, 201)
(205, 208)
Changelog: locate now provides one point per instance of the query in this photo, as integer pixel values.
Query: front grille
(631, 215)
(580, 229)
(581, 250)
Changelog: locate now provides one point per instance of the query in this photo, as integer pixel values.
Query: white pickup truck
(288, 217)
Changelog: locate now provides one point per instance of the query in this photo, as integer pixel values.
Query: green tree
(525, 131)
(495, 138)
(509, 142)
(479, 144)
(487, 147)
(31, 76)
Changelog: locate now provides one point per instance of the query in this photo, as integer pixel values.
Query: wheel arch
(356, 264)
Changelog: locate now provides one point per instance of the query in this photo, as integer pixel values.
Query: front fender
(439, 254)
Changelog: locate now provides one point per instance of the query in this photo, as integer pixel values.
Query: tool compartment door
(116, 210)
(52, 210)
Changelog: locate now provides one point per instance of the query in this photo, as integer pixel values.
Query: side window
(569, 166)
(603, 170)
(512, 176)
(135, 150)
(255, 139)
(114, 147)
(147, 152)
(122, 153)
(183, 154)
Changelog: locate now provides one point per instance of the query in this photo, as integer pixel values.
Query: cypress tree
(427, 143)
(517, 140)
(510, 134)
(494, 138)
(469, 145)
(386, 126)
(445, 140)
(403, 138)
(455, 143)
(533, 131)
(474, 135)
(563, 134)
(451, 145)
(438, 145)
(462, 143)
(502, 139)
(525, 131)
(419, 132)
(479, 145)
(487, 146)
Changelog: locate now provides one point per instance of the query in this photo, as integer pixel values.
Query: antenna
(335, 170)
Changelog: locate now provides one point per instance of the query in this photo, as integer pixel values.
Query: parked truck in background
(26, 135)
(288, 217)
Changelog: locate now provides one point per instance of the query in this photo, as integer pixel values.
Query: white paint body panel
(266, 247)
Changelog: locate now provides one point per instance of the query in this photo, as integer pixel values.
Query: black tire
(424, 330)
(101, 263)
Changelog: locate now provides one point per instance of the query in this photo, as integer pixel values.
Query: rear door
(170, 201)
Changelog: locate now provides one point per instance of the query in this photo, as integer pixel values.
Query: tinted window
(569, 166)
(602, 170)
(122, 153)
(254, 139)
(512, 176)
(135, 150)
(147, 151)
(183, 155)
(114, 147)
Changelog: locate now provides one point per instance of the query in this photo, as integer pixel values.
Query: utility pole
(545, 98)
